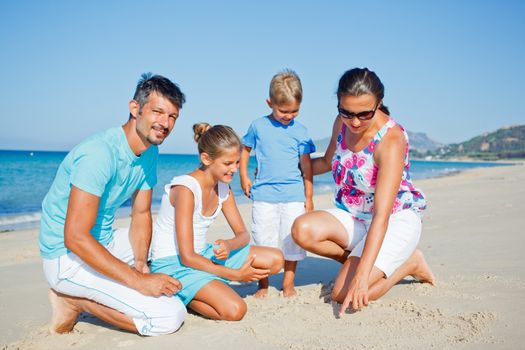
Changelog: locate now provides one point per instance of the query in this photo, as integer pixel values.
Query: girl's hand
(357, 295)
(141, 266)
(248, 273)
(221, 249)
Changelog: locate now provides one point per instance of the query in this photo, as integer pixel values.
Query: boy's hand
(309, 205)
(221, 249)
(246, 185)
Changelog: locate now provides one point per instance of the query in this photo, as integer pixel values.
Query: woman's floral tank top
(355, 177)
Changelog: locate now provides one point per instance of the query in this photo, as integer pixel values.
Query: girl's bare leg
(218, 301)
(266, 258)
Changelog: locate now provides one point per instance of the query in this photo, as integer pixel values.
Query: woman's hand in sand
(357, 295)
(249, 273)
(157, 284)
(221, 249)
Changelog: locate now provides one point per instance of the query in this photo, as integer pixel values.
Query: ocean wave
(434, 172)
(446, 170)
(20, 221)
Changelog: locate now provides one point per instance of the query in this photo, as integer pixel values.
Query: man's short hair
(149, 83)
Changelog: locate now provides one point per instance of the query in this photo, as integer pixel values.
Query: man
(89, 266)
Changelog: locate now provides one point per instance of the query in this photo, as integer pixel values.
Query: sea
(25, 177)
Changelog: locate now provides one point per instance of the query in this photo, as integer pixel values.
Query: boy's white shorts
(272, 227)
(70, 275)
(401, 237)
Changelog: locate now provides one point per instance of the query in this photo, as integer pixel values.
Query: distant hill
(419, 142)
(504, 143)
(507, 142)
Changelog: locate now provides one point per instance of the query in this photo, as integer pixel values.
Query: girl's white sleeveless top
(164, 240)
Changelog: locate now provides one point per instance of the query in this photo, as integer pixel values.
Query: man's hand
(157, 284)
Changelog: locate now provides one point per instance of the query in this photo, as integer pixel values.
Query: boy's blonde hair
(285, 88)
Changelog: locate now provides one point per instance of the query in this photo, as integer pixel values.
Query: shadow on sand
(311, 270)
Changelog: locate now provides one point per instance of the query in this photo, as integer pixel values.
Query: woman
(377, 216)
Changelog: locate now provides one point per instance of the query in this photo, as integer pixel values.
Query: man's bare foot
(289, 292)
(421, 271)
(65, 314)
(261, 293)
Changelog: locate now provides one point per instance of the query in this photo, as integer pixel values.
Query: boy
(283, 187)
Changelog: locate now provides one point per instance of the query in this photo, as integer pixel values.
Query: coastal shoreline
(471, 239)
(10, 222)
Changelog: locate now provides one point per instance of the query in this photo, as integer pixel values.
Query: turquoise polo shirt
(103, 165)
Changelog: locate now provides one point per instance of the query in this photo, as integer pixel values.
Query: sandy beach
(471, 239)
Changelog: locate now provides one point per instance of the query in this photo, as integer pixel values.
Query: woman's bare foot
(65, 313)
(289, 292)
(421, 271)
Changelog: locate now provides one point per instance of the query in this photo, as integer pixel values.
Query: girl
(189, 206)
(378, 209)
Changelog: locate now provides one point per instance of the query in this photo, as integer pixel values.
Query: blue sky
(452, 69)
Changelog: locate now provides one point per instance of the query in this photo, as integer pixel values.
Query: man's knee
(170, 321)
(174, 323)
(177, 316)
(177, 319)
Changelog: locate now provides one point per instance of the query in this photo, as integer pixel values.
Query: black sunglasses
(365, 115)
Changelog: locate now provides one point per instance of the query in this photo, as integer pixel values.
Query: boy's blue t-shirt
(105, 166)
(277, 149)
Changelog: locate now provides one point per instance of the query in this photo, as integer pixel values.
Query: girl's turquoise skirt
(193, 280)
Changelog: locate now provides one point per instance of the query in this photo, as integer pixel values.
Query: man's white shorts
(68, 274)
(272, 227)
(401, 237)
